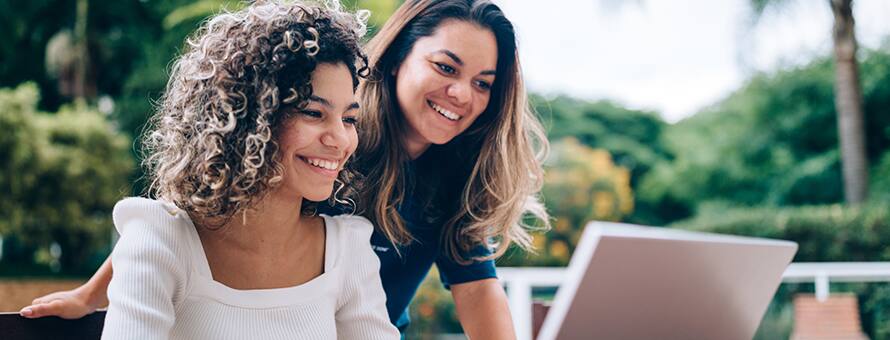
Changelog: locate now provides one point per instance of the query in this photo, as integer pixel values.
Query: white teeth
(444, 112)
(324, 164)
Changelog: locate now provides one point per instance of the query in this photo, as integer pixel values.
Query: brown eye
(445, 68)
(484, 85)
(350, 120)
(311, 113)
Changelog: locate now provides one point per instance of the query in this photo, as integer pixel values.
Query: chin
(440, 139)
(318, 197)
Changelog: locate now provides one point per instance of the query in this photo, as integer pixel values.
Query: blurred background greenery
(78, 79)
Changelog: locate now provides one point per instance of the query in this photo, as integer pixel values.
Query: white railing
(519, 282)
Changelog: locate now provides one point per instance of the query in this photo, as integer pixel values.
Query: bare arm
(76, 303)
(482, 310)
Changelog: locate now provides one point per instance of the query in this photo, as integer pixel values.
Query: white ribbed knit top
(162, 287)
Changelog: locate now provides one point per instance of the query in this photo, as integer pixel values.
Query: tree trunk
(848, 103)
(84, 86)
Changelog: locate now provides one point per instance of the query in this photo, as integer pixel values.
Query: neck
(270, 226)
(415, 146)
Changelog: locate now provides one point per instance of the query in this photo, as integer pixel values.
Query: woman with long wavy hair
(451, 156)
(448, 162)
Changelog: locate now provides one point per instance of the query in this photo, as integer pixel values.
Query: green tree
(632, 137)
(772, 142)
(847, 97)
(581, 184)
(62, 175)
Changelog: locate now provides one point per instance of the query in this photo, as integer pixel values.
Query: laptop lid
(635, 282)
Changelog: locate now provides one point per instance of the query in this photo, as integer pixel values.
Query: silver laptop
(634, 282)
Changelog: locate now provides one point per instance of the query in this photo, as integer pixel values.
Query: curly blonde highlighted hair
(211, 147)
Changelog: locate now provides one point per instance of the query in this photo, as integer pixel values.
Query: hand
(70, 304)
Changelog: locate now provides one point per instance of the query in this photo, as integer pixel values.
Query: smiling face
(445, 82)
(316, 142)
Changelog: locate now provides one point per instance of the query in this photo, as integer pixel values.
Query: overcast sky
(671, 56)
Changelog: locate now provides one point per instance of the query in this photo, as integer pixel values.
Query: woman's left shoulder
(351, 236)
(353, 226)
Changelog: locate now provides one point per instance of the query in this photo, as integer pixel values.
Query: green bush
(580, 184)
(823, 233)
(62, 174)
(632, 138)
(880, 178)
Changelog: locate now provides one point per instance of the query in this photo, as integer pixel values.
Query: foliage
(131, 42)
(62, 175)
(880, 186)
(432, 310)
(580, 184)
(823, 233)
(584, 184)
(773, 142)
(380, 11)
(632, 137)
(117, 32)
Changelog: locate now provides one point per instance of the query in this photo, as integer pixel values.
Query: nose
(335, 135)
(461, 93)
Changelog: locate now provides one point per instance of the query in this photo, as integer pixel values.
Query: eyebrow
(461, 62)
(452, 56)
(320, 100)
(326, 103)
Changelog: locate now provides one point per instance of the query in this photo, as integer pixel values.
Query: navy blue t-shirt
(402, 272)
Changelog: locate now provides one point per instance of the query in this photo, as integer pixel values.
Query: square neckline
(203, 284)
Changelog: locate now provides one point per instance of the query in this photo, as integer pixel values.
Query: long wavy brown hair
(499, 156)
(211, 148)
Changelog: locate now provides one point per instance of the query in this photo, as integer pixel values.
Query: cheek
(353, 142)
(481, 103)
(413, 81)
(410, 83)
(293, 142)
(403, 95)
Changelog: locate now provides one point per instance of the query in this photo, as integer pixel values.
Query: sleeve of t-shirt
(451, 272)
(361, 312)
(149, 271)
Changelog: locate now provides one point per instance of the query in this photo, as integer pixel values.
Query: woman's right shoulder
(158, 216)
(154, 244)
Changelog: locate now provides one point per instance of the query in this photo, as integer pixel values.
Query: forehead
(333, 82)
(473, 44)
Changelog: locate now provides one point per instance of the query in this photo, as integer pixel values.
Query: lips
(326, 167)
(322, 163)
(444, 112)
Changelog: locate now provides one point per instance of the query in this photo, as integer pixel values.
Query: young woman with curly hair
(449, 162)
(258, 120)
